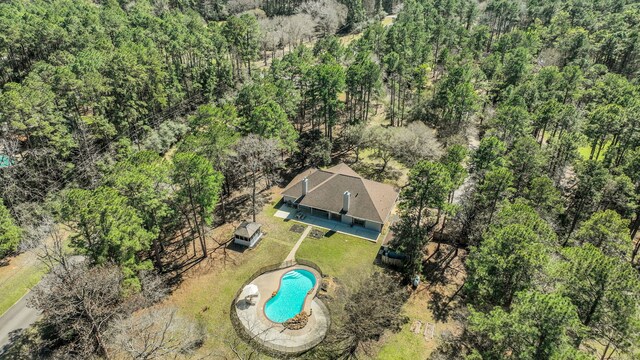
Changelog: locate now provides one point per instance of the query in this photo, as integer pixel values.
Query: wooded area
(143, 125)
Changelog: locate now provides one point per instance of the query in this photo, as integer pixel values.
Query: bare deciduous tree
(154, 334)
(78, 303)
(328, 14)
(416, 142)
(35, 222)
(239, 6)
(375, 308)
(257, 158)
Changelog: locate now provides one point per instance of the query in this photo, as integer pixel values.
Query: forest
(131, 132)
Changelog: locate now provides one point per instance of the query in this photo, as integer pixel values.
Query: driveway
(17, 318)
(20, 316)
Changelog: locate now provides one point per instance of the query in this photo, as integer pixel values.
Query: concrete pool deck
(288, 213)
(273, 335)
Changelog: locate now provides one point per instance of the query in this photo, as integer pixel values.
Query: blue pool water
(289, 300)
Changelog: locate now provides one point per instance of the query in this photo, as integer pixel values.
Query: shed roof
(370, 200)
(247, 229)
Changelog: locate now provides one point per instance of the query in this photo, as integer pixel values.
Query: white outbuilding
(247, 234)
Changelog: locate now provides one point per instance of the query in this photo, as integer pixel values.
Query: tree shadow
(374, 171)
(22, 344)
(444, 271)
(244, 304)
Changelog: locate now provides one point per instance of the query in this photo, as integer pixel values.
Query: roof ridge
(340, 170)
(323, 182)
(351, 176)
(366, 183)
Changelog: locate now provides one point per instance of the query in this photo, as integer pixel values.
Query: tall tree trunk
(253, 207)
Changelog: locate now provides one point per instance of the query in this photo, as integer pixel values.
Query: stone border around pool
(273, 350)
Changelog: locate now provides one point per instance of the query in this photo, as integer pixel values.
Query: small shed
(248, 234)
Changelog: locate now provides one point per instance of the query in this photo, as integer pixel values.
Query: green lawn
(406, 344)
(23, 272)
(16, 278)
(351, 260)
(342, 256)
(585, 151)
(208, 291)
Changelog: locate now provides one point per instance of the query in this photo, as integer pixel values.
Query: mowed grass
(406, 344)
(208, 291)
(348, 258)
(206, 294)
(18, 277)
(351, 259)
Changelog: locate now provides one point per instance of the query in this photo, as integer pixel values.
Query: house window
(358, 222)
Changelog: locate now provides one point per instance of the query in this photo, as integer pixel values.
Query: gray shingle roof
(370, 200)
(247, 229)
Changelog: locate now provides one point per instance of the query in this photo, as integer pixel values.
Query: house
(247, 234)
(340, 194)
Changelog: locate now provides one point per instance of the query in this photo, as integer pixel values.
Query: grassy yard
(342, 256)
(347, 259)
(350, 260)
(21, 274)
(208, 290)
(406, 344)
(420, 307)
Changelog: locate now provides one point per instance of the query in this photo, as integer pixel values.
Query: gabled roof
(370, 200)
(247, 229)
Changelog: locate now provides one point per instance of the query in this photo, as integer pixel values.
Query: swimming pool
(290, 298)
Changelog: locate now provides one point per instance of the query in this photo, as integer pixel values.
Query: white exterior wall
(347, 219)
(288, 199)
(373, 225)
(251, 243)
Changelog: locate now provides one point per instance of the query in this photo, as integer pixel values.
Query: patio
(288, 213)
(275, 336)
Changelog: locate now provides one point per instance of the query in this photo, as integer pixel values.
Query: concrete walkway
(292, 253)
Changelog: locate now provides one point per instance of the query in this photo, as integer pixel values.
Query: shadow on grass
(441, 275)
(278, 204)
(240, 249)
(23, 344)
(330, 233)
